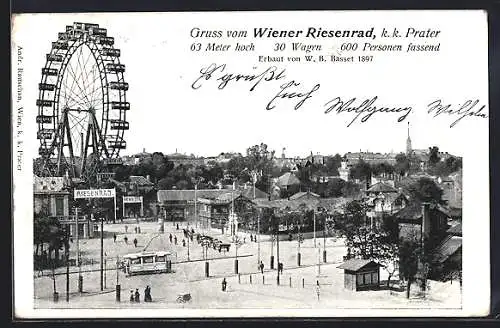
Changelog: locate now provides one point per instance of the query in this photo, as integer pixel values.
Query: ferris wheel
(82, 103)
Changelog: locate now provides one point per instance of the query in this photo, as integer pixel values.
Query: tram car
(147, 263)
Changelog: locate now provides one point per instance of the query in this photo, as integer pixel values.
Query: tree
(361, 170)
(335, 187)
(426, 190)
(434, 156)
(360, 237)
(383, 168)
(49, 230)
(388, 255)
(402, 164)
(350, 189)
(332, 163)
(409, 252)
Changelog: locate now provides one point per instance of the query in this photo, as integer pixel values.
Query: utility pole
(258, 238)
(118, 287)
(299, 237)
(324, 238)
(278, 250)
(195, 207)
(67, 263)
(314, 227)
(77, 235)
(188, 238)
(102, 254)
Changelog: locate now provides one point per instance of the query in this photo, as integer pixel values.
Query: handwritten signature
(288, 90)
(269, 74)
(366, 108)
(465, 110)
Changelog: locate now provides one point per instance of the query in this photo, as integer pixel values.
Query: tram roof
(147, 253)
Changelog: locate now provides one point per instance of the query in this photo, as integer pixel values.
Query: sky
(168, 115)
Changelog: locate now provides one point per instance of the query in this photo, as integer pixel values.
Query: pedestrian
(125, 239)
(183, 243)
(146, 293)
(135, 229)
(135, 242)
(132, 298)
(170, 237)
(251, 237)
(244, 240)
(137, 296)
(177, 228)
(262, 267)
(126, 228)
(175, 240)
(192, 231)
(114, 238)
(224, 284)
(317, 288)
(138, 229)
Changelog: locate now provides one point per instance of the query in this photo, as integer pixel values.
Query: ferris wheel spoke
(72, 73)
(83, 64)
(81, 97)
(78, 120)
(78, 78)
(96, 88)
(71, 95)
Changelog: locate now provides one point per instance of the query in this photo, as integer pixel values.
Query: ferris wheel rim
(55, 110)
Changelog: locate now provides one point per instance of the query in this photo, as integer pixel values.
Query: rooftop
(357, 264)
(381, 187)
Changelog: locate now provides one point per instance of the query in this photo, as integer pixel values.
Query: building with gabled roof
(360, 274)
(302, 195)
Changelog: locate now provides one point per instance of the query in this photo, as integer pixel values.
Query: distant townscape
(399, 212)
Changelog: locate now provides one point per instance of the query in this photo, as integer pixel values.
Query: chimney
(426, 220)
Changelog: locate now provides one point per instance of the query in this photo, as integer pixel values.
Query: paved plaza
(249, 289)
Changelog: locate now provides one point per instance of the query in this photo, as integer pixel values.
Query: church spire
(408, 142)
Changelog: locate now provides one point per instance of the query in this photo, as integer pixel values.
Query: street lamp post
(324, 238)
(80, 278)
(314, 227)
(299, 236)
(278, 251)
(102, 253)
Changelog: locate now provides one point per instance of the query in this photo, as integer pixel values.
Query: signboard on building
(113, 161)
(132, 199)
(94, 193)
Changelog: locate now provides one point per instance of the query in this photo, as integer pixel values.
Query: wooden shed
(361, 274)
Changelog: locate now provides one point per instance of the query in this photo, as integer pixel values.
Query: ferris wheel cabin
(117, 144)
(106, 40)
(54, 58)
(44, 103)
(62, 45)
(118, 85)
(49, 71)
(120, 105)
(119, 125)
(115, 68)
(46, 86)
(110, 52)
(45, 134)
(43, 119)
